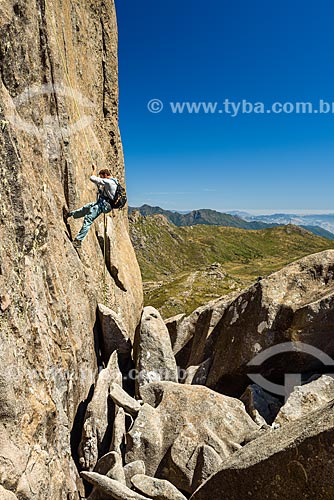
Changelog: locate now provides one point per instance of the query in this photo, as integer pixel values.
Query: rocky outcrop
(119, 430)
(261, 406)
(291, 462)
(306, 398)
(157, 489)
(295, 304)
(122, 398)
(110, 465)
(191, 335)
(177, 426)
(153, 353)
(63, 405)
(111, 488)
(95, 435)
(114, 334)
(48, 295)
(124, 287)
(132, 469)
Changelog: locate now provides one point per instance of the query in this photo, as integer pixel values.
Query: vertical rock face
(58, 112)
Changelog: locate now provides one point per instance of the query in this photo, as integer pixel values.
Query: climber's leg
(81, 212)
(93, 212)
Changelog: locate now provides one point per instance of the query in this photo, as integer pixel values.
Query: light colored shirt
(107, 187)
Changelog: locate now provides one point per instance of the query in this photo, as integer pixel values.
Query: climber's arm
(94, 178)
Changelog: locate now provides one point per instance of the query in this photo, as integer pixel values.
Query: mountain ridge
(208, 216)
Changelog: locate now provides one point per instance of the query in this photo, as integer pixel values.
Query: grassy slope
(175, 261)
(203, 216)
(212, 217)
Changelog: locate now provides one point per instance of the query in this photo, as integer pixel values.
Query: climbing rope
(104, 257)
(63, 60)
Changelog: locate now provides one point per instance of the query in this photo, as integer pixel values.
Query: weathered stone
(118, 431)
(123, 270)
(189, 375)
(96, 423)
(306, 398)
(294, 462)
(191, 335)
(260, 405)
(110, 487)
(5, 302)
(47, 354)
(7, 495)
(157, 489)
(293, 304)
(173, 424)
(107, 463)
(173, 327)
(153, 353)
(208, 463)
(122, 398)
(197, 375)
(115, 336)
(133, 468)
(110, 465)
(116, 472)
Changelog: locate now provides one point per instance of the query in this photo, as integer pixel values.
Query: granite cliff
(58, 112)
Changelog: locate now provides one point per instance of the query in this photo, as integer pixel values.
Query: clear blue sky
(191, 50)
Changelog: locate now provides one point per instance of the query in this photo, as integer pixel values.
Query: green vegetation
(204, 216)
(184, 267)
(209, 217)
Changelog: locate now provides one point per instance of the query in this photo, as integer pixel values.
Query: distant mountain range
(325, 221)
(241, 220)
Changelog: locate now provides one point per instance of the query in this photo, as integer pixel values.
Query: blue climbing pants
(90, 212)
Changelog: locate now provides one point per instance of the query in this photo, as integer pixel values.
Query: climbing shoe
(77, 244)
(66, 214)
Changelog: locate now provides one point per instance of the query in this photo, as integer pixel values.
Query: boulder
(132, 469)
(157, 489)
(196, 375)
(191, 335)
(208, 463)
(153, 352)
(294, 462)
(110, 487)
(306, 398)
(114, 334)
(6, 495)
(173, 327)
(96, 428)
(118, 431)
(122, 398)
(110, 465)
(295, 304)
(177, 422)
(260, 405)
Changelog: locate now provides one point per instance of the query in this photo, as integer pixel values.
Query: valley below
(184, 267)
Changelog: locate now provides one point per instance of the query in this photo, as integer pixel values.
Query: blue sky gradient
(187, 50)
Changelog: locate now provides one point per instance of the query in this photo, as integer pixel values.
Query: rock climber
(106, 191)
